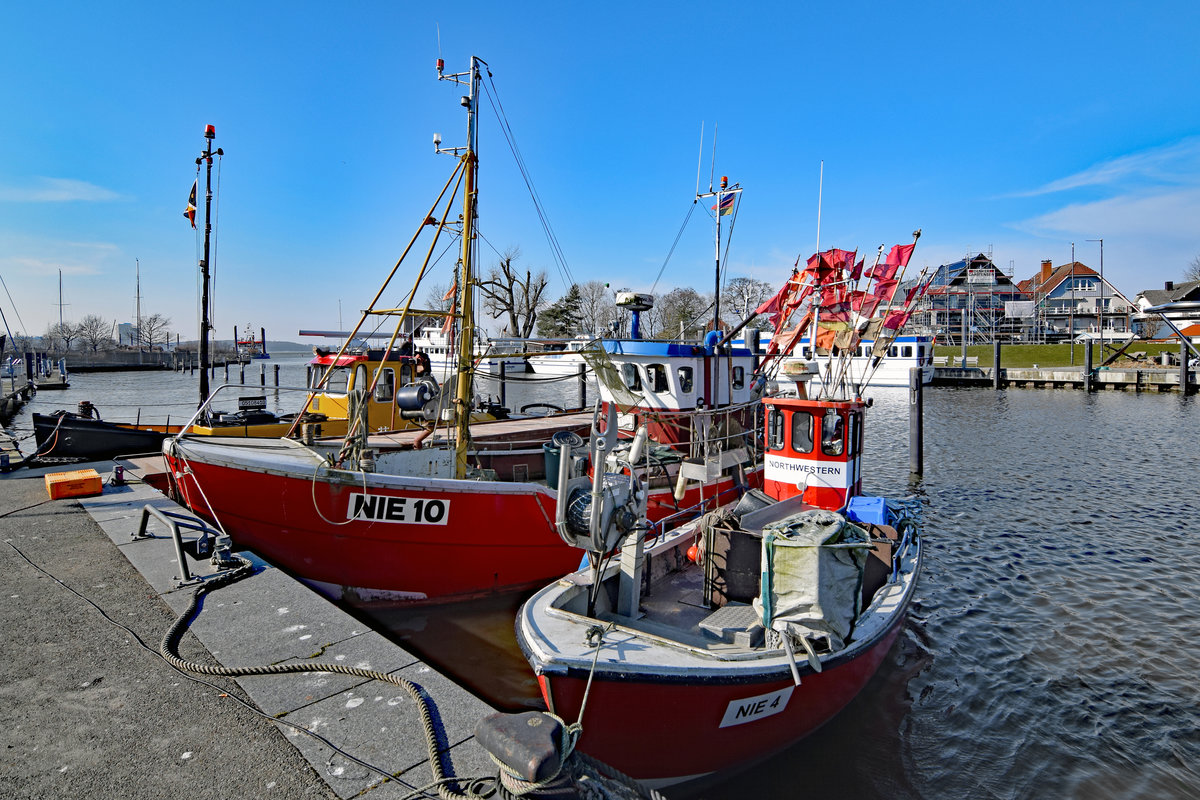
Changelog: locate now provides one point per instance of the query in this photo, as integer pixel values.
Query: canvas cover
(812, 567)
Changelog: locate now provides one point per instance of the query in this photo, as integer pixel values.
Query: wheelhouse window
(385, 385)
(906, 351)
(656, 378)
(893, 351)
(338, 380)
(631, 376)
(802, 432)
(774, 429)
(854, 435)
(833, 435)
(739, 377)
(685, 379)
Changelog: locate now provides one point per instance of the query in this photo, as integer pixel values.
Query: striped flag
(190, 211)
(727, 204)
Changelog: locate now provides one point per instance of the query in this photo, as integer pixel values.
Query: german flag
(190, 211)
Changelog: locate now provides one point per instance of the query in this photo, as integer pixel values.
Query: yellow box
(79, 483)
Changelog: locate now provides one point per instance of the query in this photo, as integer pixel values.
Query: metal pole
(503, 383)
(209, 134)
(916, 411)
(1071, 316)
(262, 374)
(583, 386)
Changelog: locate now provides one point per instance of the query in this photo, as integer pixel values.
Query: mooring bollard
(916, 411)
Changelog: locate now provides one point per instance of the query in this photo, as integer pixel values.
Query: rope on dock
(443, 774)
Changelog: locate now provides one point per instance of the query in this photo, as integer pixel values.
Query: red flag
(900, 254)
(856, 272)
(884, 289)
(884, 272)
(864, 303)
(895, 321)
(452, 290)
(190, 211)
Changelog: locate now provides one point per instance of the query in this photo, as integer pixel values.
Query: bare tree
(682, 311)
(597, 307)
(150, 327)
(95, 332)
(742, 296)
(1192, 271)
(60, 335)
(507, 292)
(439, 298)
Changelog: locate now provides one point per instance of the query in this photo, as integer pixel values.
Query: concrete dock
(89, 709)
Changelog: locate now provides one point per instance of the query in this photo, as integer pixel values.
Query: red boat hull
(487, 540)
(630, 717)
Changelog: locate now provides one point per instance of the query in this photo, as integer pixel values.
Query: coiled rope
(443, 778)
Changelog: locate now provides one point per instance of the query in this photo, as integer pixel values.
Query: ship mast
(466, 340)
(210, 133)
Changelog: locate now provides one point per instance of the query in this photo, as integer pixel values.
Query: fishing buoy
(693, 554)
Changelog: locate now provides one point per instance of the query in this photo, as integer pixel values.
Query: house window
(631, 376)
(802, 438)
(656, 375)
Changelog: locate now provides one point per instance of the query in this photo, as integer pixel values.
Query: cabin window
(739, 377)
(906, 351)
(336, 383)
(802, 438)
(656, 378)
(685, 379)
(774, 429)
(385, 385)
(833, 435)
(893, 351)
(807, 352)
(854, 434)
(631, 376)
(360, 378)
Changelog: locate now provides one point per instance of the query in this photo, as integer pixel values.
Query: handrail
(175, 521)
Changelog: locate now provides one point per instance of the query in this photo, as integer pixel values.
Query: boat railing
(205, 409)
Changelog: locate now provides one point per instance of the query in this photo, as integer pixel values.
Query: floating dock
(1103, 379)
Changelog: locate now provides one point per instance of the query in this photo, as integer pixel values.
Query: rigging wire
(14, 306)
(560, 259)
(674, 244)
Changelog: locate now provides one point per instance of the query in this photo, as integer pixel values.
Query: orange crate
(78, 483)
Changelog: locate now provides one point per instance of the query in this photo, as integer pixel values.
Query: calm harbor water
(1048, 652)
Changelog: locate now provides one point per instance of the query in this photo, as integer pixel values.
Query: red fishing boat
(461, 507)
(730, 637)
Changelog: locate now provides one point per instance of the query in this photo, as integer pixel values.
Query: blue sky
(1018, 127)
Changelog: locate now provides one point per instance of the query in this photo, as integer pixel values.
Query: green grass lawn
(1050, 355)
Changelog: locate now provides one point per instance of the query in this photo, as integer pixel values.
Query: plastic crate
(869, 510)
(78, 483)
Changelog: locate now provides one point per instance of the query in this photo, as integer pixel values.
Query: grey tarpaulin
(812, 566)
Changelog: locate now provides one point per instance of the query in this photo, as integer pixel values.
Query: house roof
(1188, 290)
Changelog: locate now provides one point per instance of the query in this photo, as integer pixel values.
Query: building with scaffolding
(968, 300)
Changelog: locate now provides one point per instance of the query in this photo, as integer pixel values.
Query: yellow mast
(466, 340)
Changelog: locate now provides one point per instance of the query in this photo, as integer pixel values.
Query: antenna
(820, 189)
(713, 169)
(700, 157)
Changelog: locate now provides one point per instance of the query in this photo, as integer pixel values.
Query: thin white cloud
(1158, 215)
(57, 190)
(1177, 163)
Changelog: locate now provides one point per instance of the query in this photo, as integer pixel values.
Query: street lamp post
(1100, 307)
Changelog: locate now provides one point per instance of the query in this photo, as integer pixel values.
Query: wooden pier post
(262, 374)
(242, 374)
(227, 372)
(916, 413)
(996, 364)
(503, 384)
(1183, 367)
(583, 385)
(276, 375)
(1087, 368)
